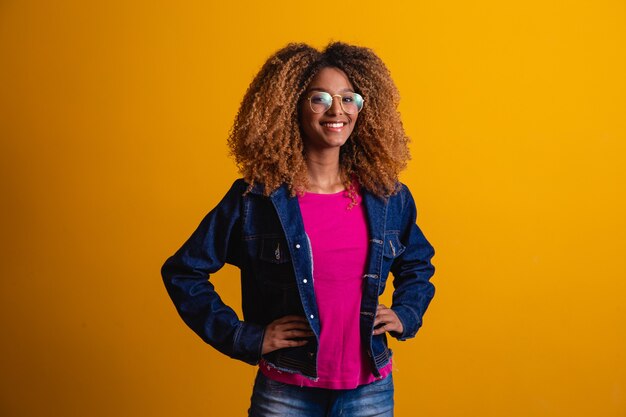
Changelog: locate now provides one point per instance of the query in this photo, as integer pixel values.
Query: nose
(335, 106)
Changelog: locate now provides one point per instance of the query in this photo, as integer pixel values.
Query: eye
(348, 99)
(320, 98)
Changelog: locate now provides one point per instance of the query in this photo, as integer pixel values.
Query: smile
(334, 125)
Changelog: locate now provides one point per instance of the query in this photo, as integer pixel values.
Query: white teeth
(334, 125)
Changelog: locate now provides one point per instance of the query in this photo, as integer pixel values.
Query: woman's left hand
(386, 321)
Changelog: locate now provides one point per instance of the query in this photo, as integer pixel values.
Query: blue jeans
(276, 399)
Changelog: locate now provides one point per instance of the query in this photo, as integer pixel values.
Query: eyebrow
(344, 90)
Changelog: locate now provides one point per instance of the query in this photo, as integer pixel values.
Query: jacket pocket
(392, 246)
(280, 295)
(274, 250)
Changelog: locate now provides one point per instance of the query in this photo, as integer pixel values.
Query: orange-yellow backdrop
(113, 122)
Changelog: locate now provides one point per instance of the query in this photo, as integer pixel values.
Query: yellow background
(113, 122)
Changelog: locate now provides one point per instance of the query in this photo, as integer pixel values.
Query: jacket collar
(259, 189)
(287, 207)
(376, 214)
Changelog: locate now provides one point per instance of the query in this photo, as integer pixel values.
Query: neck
(323, 172)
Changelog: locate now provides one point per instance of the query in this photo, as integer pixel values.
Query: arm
(412, 271)
(215, 242)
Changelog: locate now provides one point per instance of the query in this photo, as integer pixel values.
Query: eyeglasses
(321, 101)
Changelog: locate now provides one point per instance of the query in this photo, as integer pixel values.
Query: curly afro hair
(266, 140)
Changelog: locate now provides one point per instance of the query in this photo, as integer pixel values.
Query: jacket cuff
(410, 322)
(248, 342)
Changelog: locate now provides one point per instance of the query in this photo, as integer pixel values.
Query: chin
(337, 143)
(323, 140)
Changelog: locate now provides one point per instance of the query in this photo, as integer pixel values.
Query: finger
(292, 334)
(384, 316)
(382, 310)
(386, 327)
(387, 323)
(278, 336)
(378, 331)
(272, 345)
(286, 325)
(291, 319)
(291, 343)
(292, 326)
(379, 323)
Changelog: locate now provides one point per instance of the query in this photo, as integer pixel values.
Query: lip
(334, 125)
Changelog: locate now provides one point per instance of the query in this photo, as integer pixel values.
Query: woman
(316, 225)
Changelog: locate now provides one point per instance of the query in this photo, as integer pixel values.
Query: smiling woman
(266, 139)
(315, 226)
(326, 125)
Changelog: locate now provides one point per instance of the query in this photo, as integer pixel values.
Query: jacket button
(305, 281)
(312, 316)
(297, 246)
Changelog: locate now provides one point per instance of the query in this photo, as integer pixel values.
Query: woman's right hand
(287, 331)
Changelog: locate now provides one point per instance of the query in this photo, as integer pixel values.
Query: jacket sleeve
(412, 271)
(216, 241)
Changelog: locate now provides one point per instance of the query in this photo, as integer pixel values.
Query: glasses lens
(320, 102)
(351, 102)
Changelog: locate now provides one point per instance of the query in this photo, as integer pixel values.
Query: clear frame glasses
(321, 101)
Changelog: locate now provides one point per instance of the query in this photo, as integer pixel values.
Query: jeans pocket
(383, 384)
(271, 385)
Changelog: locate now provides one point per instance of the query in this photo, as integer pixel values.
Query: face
(329, 129)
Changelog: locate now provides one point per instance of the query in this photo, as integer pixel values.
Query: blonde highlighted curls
(266, 140)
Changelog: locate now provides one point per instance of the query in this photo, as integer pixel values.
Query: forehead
(332, 80)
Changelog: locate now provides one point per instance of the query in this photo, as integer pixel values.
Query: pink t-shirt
(339, 240)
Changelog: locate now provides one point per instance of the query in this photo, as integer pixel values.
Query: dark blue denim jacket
(265, 238)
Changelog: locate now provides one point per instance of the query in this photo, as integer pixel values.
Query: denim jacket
(265, 238)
